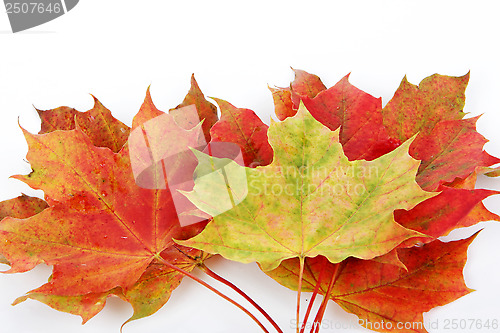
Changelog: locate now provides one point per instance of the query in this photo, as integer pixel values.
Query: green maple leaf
(309, 201)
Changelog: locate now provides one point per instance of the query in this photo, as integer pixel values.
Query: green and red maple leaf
(347, 194)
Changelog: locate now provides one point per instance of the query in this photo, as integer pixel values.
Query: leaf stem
(219, 278)
(203, 283)
(321, 311)
(299, 291)
(314, 294)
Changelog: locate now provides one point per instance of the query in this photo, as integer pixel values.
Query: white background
(115, 49)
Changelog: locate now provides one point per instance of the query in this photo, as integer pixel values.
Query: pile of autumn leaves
(373, 251)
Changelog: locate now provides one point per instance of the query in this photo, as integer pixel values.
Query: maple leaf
(383, 295)
(89, 186)
(315, 212)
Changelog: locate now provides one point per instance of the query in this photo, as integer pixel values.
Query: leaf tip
(405, 82)
(97, 103)
(148, 93)
(193, 80)
(474, 235)
(219, 101)
(466, 77)
(194, 84)
(39, 111)
(19, 300)
(26, 133)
